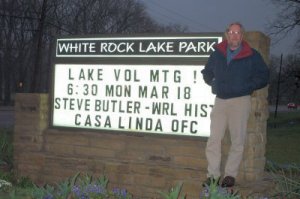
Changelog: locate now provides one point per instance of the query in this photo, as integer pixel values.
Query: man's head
(234, 34)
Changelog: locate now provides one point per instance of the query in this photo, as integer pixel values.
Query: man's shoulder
(256, 53)
(217, 53)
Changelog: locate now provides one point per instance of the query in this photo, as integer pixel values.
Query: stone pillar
(31, 119)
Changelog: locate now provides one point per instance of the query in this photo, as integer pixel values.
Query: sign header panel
(192, 46)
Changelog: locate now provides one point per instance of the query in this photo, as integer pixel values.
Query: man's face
(234, 36)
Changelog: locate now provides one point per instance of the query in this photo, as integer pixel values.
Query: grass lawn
(283, 138)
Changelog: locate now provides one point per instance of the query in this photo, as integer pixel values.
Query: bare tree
(107, 17)
(288, 19)
(290, 73)
(274, 75)
(28, 29)
(15, 36)
(289, 79)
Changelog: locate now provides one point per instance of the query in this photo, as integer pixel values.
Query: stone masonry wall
(143, 164)
(31, 121)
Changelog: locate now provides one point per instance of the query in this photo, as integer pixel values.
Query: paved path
(7, 117)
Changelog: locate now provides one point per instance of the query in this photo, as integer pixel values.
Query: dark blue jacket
(246, 72)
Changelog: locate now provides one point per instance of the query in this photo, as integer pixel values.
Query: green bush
(173, 193)
(6, 148)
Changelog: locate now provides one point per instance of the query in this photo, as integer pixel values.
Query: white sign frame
(163, 99)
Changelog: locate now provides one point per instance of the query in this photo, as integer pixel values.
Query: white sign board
(163, 99)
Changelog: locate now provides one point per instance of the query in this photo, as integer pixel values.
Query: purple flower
(49, 196)
(122, 193)
(204, 193)
(96, 189)
(76, 190)
(88, 190)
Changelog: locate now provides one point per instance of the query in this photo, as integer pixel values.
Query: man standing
(234, 70)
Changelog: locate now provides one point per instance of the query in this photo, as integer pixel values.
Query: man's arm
(261, 72)
(207, 72)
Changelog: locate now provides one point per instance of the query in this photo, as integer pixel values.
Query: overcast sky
(215, 15)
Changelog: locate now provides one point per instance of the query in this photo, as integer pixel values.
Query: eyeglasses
(231, 32)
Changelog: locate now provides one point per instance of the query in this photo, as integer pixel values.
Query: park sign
(133, 84)
(136, 46)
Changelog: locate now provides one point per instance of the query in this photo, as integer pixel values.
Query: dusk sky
(215, 15)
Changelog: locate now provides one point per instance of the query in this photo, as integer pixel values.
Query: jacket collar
(245, 51)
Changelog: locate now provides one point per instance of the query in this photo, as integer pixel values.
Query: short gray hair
(238, 24)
